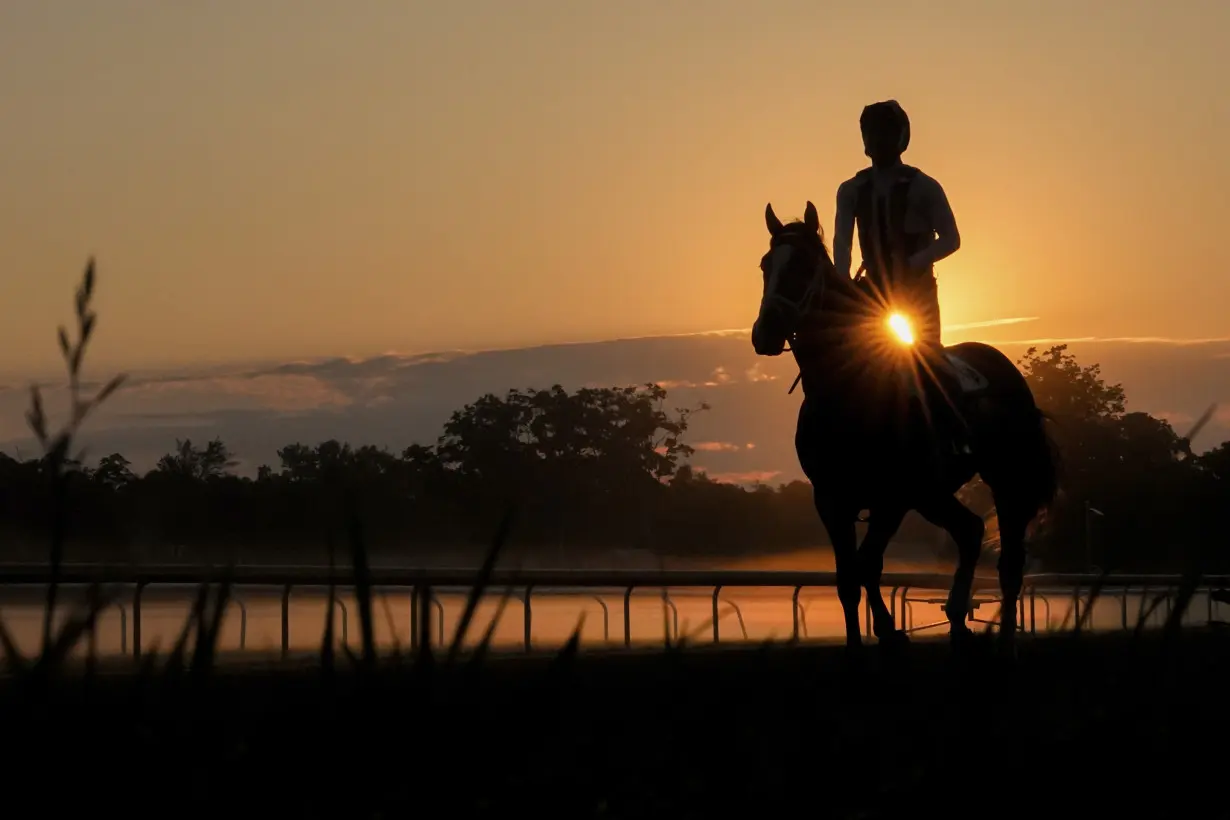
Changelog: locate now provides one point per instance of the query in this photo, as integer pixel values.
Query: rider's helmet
(886, 130)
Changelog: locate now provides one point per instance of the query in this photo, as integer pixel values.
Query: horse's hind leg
(883, 525)
(966, 528)
(1013, 525)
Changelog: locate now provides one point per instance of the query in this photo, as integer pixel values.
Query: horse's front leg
(838, 520)
(966, 528)
(882, 526)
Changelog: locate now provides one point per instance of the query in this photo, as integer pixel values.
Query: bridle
(812, 298)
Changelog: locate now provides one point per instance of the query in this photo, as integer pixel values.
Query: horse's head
(796, 270)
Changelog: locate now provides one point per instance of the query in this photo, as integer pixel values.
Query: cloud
(756, 373)
(715, 447)
(285, 392)
(746, 331)
(1015, 320)
(748, 477)
(1136, 340)
(395, 400)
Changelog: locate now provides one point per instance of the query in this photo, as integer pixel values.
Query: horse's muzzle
(766, 343)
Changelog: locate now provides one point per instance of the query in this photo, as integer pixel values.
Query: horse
(860, 426)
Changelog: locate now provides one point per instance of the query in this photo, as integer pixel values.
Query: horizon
(308, 181)
(394, 401)
(326, 188)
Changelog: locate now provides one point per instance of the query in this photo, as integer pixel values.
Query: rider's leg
(939, 380)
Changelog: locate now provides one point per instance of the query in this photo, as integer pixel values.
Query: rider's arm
(945, 224)
(843, 229)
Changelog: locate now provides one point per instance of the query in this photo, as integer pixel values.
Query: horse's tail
(1023, 469)
(1037, 464)
(1021, 461)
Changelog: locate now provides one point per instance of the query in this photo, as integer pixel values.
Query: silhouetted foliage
(1154, 500)
(597, 468)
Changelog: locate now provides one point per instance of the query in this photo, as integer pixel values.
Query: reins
(811, 296)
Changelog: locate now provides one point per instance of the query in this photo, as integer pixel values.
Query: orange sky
(295, 178)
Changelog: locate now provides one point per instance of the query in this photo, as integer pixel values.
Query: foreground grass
(1112, 722)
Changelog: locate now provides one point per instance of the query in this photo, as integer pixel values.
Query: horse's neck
(818, 349)
(827, 347)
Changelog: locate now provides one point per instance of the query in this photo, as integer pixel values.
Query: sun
(900, 326)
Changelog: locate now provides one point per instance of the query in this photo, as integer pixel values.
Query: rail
(591, 583)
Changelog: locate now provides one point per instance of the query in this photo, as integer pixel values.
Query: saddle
(962, 384)
(969, 378)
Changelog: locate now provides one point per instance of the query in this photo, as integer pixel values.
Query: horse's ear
(810, 218)
(771, 221)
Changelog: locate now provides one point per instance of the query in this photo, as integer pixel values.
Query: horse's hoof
(855, 653)
(1005, 649)
(895, 641)
(963, 639)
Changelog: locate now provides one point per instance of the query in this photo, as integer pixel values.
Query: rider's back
(898, 213)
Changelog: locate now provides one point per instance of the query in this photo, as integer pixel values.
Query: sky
(294, 180)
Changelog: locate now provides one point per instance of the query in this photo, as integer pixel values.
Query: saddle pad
(970, 379)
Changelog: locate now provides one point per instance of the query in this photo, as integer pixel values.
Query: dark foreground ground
(1078, 727)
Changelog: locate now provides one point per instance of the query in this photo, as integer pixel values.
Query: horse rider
(905, 225)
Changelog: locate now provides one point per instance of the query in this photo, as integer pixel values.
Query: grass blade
(391, 623)
(175, 661)
(209, 632)
(480, 584)
(14, 661)
(327, 651)
(362, 579)
(489, 634)
(423, 602)
(77, 627)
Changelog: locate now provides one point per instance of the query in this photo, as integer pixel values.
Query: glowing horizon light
(901, 329)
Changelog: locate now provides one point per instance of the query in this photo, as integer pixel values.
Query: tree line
(600, 468)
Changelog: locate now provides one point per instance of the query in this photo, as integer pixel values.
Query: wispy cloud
(748, 477)
(719, 377)
(744, 331)
(394, 400)
(288, 392)
(1013, 320)
(1140, 340)
(715, 447)
(756, 373)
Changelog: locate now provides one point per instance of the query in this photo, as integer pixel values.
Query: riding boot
(948, 439)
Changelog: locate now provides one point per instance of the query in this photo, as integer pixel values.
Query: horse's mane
(798, 223)
(798, 228)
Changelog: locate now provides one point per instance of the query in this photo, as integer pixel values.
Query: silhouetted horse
(858, 441)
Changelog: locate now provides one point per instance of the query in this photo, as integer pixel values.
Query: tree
(1064, 389)
(1118, 462)
(114, 471)
(564, 457)
(595, 469)
(214, 460)
(624, 427)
